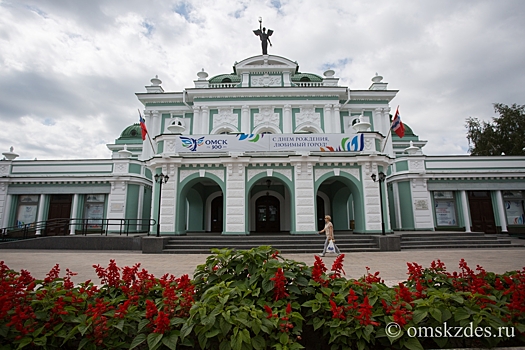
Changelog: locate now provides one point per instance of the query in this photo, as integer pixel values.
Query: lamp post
(381, 179)
(160, 179)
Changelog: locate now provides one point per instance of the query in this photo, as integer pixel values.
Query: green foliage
(505, 134)
(255, 299)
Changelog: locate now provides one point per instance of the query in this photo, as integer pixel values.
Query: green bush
(256, 299)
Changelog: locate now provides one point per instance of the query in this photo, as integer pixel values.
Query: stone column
(245, 120)
(140, 207)
(205, 120)
(236, 200)
(155, 116)
(327, 117)
(397, 207)
(305, 217)
(466, 214)
(168, 199)
(372, 203)
(386, 145)
(73, 215)
(336, 119)
(40, 215)
(501, 211)
(7, 210)
(196, 120)
(287, 119)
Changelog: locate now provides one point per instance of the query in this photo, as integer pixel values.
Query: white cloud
(70, 70)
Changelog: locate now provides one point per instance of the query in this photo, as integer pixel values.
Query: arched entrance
(200, 206)
(340, 197)
(270, 203)
(267, 214)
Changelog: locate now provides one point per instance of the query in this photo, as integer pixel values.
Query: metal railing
(64, 227)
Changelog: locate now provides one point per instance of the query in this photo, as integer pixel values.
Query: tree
(504, 135)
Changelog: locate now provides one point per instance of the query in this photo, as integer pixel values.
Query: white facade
(239, 191)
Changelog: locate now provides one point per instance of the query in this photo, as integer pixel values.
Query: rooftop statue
(264, 36)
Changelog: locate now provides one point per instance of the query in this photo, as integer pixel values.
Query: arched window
(305, 79)
(266, 132)
(226, 80)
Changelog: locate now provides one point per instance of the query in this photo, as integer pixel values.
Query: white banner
(270, 142)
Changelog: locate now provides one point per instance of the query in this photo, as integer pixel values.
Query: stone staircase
(461, 240)
(199, 243)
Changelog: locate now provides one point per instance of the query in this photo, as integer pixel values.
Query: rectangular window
(94, 210)
(27, 210)
(514, 207)
(445, 208)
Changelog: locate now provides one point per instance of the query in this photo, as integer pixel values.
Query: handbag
(331, 247)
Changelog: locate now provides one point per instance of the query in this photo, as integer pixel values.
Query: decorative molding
(285, 172)
(183, 174)
(225, 116)
(308, 115)
(266, 80)
(253, 172)
(170, 146)
(217, 172)
(266, 115)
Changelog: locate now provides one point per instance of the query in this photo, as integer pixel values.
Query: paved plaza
(392, 265)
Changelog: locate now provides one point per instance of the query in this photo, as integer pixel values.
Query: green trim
(270, 98)
(132, 201)
(160, 147)
(210, 119)
(354, 185)
(294, 112)
(401, 166)
(182, 191)
(135, 168)
(158, 104)
(321, 113)
(250, 184)
(280, 112)
(359, 102)
(252, 114)
(407, 213)
(239, 117)
(190, 117)
(370, 116)
(342, 115)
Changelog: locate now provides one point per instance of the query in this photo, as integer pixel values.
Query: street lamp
(160, 179)
(381, 179)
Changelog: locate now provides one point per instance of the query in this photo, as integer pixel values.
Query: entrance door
(481, 212)
(320, 213)
(267, 214)
(59, 208)
(216, 214)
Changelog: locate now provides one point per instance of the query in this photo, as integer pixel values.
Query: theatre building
(269, 148)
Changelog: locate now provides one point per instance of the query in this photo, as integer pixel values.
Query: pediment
(266, 63)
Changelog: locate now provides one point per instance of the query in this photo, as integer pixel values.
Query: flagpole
(149, 138)
(389, 132)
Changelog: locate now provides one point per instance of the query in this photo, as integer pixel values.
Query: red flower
(337, 311)
(337, 266)
(318, 270)
(279, 285)
(162, 323)
(364, 312)
(288, 308)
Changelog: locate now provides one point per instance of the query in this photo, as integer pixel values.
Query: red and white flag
(142, 122)
(397, 124)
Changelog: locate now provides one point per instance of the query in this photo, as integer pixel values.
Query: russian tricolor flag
(142, 122)
(397, 124)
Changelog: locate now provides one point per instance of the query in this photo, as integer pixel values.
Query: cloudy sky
(69, 70)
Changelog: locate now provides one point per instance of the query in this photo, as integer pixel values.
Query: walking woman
(329, 231)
